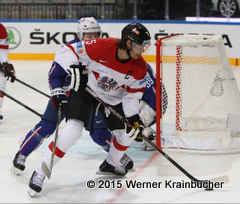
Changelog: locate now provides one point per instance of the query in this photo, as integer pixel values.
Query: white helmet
(88, 25)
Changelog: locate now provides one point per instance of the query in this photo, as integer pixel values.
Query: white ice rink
(68, 183)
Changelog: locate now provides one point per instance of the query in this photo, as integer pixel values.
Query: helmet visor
(141, 48)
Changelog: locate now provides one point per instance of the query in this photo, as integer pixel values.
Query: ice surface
(69, 178)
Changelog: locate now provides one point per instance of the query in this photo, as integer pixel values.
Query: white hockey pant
(67, 137)
(118, 147)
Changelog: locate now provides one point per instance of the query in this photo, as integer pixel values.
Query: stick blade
(224, 179)
(46, 170)
(32, 193)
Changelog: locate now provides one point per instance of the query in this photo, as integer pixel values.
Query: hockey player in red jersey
(116, 72)
(103, 137)
(6, 69)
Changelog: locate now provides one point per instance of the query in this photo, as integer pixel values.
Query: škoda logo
(14, 37)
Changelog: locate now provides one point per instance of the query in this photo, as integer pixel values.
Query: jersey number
(90, 42)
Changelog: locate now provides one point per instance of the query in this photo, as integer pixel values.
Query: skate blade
(131, 170)
(16, 171)
(108, 174)
(105, 173)
(32, 193)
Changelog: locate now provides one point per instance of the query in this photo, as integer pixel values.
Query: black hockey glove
(8, 71)
(83, 75)
(58, 95)
(136, 129)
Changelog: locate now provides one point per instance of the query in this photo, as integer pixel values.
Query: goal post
(203, 110)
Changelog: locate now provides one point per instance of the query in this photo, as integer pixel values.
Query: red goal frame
(159, 64)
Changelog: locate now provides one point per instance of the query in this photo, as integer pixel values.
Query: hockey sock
(1, 100)
(70, 134)
(47, 159)
(102, 137)
(35, 137)
(118, 147)
(67, 137)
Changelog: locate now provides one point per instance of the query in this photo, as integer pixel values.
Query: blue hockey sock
(35, 137)
(102, 137)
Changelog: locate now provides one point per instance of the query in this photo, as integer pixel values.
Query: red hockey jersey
(112, 80)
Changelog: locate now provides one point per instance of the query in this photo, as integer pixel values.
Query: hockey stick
(32, 87)
(20, 103)
(218, 179)
(46, 170)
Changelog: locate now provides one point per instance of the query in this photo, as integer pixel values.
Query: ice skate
(127, 162)
(35, 184)
(107, 169)
(18, 163)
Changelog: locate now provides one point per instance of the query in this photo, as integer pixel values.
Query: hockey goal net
(203, 100)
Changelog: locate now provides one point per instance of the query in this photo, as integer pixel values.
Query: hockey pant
(2, 87)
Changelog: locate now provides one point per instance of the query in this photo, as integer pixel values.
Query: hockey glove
(58, 95)
(83, 75)
(136, 129)
(8, 71)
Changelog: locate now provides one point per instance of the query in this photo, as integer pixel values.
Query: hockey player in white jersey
(59, 81)
(116, 72)
(6, 69)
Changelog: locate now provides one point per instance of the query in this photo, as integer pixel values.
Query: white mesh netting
(203, 110)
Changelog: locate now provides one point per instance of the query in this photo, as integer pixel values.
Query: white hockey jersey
(114, 81)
